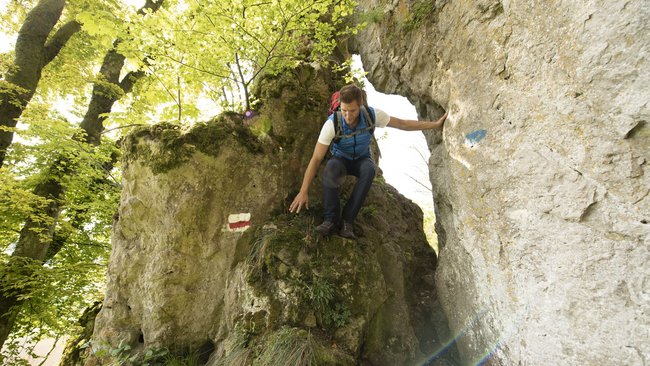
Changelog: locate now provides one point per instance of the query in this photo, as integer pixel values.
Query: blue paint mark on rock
(473, 138)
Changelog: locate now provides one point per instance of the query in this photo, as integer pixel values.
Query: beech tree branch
(130, 79)
(59, 39)
(152, 5)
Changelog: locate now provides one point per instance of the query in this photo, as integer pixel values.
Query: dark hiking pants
(335, 171)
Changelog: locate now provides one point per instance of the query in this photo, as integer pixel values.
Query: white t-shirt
(327, 131)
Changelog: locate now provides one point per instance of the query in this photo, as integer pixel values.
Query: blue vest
(353, 147)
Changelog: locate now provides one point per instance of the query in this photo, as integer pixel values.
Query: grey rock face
(186, 273)
(541, 175)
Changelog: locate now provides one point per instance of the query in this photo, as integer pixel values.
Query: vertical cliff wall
(541, 174)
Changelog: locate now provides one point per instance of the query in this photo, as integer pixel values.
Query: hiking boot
(346, 231)
(326, 228)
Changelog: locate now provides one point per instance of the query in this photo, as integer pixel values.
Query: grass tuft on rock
(288, 346)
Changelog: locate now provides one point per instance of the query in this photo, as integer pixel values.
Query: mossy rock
(164, 146)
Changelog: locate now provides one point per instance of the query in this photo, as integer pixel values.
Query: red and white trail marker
(239, 222)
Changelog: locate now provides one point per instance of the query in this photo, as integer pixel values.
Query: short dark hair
(351, 93)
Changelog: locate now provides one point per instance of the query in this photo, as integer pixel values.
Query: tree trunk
(33, 52)
(36, 237)
(103, 98)
(34, 241)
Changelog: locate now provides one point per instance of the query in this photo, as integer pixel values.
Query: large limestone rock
(541, 176)
(206, 257)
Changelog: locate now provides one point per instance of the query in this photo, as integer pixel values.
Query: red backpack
(335, 103)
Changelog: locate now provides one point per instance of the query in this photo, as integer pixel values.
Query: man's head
(351, 93)
(351, 97)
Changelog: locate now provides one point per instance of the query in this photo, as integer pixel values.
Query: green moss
(368, 211)
(261, 126)
(372, 16)
(321, 285)
(263, 256)
(164, 146)
(419, 11)
(294, 255)
(253, 323)
(327, 356)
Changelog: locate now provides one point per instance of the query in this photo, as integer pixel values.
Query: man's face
(350, 112)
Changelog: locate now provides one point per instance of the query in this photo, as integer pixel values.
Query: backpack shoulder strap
(369, 116)
(337, 126)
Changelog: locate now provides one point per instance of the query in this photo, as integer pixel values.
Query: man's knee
(333, 173)
(367, 169)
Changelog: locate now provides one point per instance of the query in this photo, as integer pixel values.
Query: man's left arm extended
(413, 125)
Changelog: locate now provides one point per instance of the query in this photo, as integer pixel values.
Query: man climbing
(350, 148)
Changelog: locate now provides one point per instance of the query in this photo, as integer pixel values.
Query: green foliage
(12, 18)
(12, 354)
(53, 299)
(319, 293)
(419, 11)
(338, 316)
(12, 92)
(55, 293)
(373, 16)
(244, 39)
(104, 25)
(351, 74)
(6, 63)
(16, 203)
(429, 226)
